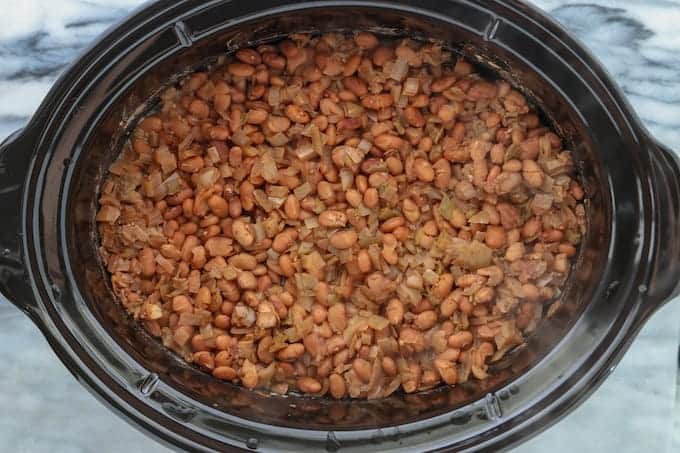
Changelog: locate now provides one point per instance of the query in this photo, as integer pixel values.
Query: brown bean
(364, 261)
(256, 116)
(355, 85)
(495, 237)
(514, 252)
(442, 83)
(443, 286)
(337, 317)
(249, 56)
(425, 320)
(225, 373)
(284, 240)
(204, 359)
(147, 262)
(460, 340)
(423, 170)
(389, 366)
(241, 69)
(465, 190)
(394, 311)
(388, 142)
(296, 114)
(246, 280)
(291, 352)
(371, 198)
(365, 40)
(244, 261)
(532, 173)
(309, 385)
(336, 386)
(181, 304)
(414, 117)
(362, 368)
(291, 207)
(392, 224)
(218, 206)
(447, 371)
(333, 219)
(241, 231)
(344, 239)
(203, 297)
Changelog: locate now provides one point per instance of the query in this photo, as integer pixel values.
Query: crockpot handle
(664, 282)
(16, 154)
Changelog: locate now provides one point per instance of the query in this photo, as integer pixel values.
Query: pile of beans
(342, 216)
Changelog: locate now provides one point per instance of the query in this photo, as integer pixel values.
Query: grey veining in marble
(46, 410)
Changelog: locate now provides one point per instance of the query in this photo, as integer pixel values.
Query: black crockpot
(50, 171)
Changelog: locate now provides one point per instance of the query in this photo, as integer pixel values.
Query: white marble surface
(46, 410)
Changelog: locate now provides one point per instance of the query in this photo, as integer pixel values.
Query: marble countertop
(636, 409)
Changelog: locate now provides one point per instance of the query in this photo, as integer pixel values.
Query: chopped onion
(480, 217)
(301, 99)
(207, 177)
(274, 96)
(398, 126)
(352, 110)
(278, 153)
(189, 319)
(207, 331)
(277, 191)
(364, 145)
(399, 70)
(305, 247)
(184, 144)
(225, 170)
(305, 283)
(259, 231)
(363, 211)
(355, 155)
(542, 202)
(313, 262)
(305, 151)
(277, 201)
(239, 330)
(312, 222)
(278, 139)
(317, 142)
(356, 325)
(376, 322)
(395, 91)
(123, 168)
(271, 225)
(240, 138)
(165, 159)
(410, 87)
(263, 200)
(302, 190)
(172, 183)
(108, 214)
(269, 171)
(346, 178)
(213, 154)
